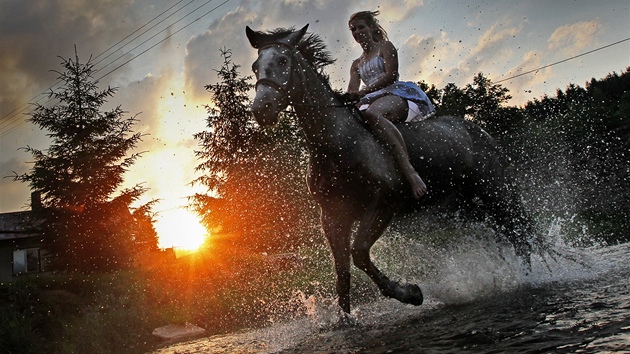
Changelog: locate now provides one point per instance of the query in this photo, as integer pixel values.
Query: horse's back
(453, 155)
(442, 136)
(439, 143)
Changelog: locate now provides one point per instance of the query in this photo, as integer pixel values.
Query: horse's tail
(500, 192)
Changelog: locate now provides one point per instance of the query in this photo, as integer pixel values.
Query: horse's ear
(295, 37)
(253, 36)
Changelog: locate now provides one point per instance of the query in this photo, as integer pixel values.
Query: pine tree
(85, 227)
(254, 175)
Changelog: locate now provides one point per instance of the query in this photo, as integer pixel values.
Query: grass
(117, 312)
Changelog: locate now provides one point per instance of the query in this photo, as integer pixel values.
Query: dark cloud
(203, 51)
(36, 33)
(13, 196)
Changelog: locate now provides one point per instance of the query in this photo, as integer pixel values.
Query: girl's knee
(372, 117)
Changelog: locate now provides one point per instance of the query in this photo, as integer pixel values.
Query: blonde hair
(378, 32)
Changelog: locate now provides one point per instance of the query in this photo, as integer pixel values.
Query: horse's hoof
(407, 294)
(412, 295)
(345, 321)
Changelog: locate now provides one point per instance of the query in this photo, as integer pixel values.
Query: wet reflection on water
(585, 310)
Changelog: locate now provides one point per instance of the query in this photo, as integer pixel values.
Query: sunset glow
(169, 145)
(181, 229)
(164, 86)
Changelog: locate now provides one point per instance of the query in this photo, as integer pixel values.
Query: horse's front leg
(375, 221)
(337, 230)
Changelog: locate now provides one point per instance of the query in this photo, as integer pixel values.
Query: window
(26, 260)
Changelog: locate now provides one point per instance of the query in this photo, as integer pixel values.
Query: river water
(478, 299)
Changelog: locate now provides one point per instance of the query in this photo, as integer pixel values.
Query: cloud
(12, 191)
(169, 118)
(417, 58)
(575, 38)
(522, 87)
(493, 45)
(35, 33)
(203, 51)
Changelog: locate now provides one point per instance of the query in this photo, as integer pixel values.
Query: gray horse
(354, 178)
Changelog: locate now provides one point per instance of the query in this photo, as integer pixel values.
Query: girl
(383, 99)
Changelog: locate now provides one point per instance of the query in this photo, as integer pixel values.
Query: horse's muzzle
(265, 113)
(267, 105)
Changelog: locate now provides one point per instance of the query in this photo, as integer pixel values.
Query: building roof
(18, 224)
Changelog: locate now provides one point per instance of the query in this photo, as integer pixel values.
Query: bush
(117, 312)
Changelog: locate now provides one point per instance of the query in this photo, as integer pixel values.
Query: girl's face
(361, 32)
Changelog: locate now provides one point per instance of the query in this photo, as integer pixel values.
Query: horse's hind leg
(374, 223)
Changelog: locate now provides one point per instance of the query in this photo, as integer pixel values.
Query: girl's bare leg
(380, 116)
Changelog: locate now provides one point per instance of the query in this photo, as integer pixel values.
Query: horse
(354, 178)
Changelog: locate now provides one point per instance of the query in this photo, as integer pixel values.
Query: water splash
(457, 274)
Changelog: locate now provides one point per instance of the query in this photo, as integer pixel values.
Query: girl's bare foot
(418, 188)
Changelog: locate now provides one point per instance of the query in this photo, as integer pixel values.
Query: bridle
(284, 89)
(272, 83)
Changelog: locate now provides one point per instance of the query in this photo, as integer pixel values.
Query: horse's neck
(326, 122)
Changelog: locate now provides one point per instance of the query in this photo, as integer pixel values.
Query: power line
(12, 120)
(13, 117)
(189, 24)
(10, 129)
(562, 61)
(19, 109)
(164, 39)
(141, 27)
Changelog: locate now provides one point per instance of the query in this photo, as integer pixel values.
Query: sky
(160, 54)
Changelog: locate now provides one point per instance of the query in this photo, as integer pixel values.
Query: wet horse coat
(354, 178)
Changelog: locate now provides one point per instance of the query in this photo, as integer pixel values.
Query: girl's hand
(352, 95)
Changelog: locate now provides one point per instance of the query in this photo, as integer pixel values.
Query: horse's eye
(282, 61)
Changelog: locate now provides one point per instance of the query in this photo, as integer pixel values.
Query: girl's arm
(355, 79)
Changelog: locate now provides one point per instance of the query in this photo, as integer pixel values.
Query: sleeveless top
(373, 69)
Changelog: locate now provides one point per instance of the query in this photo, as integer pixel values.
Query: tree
(453, 101)
(432, 92)
(145, 237)
(86, 228)
(229, 141)
(485, 102)
(256, 192)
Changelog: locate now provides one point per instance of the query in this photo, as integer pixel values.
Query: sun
(181, 229)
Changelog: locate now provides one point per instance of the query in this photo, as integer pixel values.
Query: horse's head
(273, 70)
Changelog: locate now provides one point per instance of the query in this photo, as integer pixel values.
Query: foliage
(240, 159)
(229, 140)
(485, 101)
(226, 287)
(257, 196)
(219, 289)
(453, 101)
(85, 228)
(574, 117)
(63, 313)
(482, 102)
(578, 137)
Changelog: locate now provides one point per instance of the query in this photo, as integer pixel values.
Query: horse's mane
(311, 46)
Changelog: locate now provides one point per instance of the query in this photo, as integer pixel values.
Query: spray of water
(453, 265)
(467, 264)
